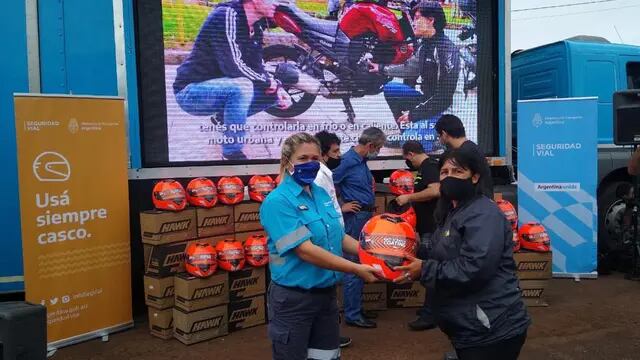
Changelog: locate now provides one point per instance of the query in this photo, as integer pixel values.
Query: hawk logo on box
(532, 266)
(215, 221)
(243, 283)
(532, 293)
(403, 294)
(206, 324)
(174, 259)
(249, 217)
(372, 297)
(174, 226)
(243, 314)
(214, 290)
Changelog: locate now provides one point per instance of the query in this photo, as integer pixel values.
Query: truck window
(633, 75)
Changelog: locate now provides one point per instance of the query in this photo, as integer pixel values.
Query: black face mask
(457, 189)
(409, 164)
(333, 163)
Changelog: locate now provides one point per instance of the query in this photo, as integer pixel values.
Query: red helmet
(385, 241)
(534, 237)
(509, 211)
(260, 187)
(256, 251)
(401, 182)
(200, 259)
(230, 255)
(406, 212)
(278, 179)
(169, 195)
(230, 190)
(202, 192)
(516, 242)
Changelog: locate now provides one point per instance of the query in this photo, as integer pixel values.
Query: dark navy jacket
(470, 276)
(223, 48)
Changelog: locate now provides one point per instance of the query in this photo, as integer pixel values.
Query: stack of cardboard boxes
(193, 309)
(534, 272)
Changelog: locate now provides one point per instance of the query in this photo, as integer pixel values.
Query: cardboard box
(405, 295)
(533, 265)
(164, 227)
(380, 204)
(193, 293)
(247, 313)
(168, 259)
(374, 296)
(247, 283)
(158, 292)
(161, 323)
(247, 217)
(193, 327)
(215, 221)
(245, 235)
(533, 292)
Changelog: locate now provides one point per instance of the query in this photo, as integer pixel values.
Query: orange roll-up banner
(74, 207)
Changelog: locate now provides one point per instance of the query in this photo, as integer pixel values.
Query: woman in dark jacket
(470, 274)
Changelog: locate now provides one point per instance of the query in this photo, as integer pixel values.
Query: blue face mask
(304, 174)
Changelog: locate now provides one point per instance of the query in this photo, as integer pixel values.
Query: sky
(561, 19)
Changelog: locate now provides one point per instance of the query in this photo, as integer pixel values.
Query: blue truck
(578, 67)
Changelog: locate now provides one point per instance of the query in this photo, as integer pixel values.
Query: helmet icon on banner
(50, 166)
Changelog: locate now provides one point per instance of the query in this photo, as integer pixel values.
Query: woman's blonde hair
(290, 146)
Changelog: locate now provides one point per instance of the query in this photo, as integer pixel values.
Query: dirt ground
(591, 319)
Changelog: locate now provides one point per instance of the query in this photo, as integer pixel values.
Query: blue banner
(557, 178)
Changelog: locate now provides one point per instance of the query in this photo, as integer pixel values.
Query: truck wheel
(610, 211)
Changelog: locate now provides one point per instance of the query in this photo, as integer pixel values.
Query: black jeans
(504, 350)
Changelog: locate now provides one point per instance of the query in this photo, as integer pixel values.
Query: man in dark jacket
(224, 76)
(437, 61)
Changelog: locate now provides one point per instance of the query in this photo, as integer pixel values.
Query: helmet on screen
(230, 255)
(406, 212)
(385, 241)
(516, 241)
(230, 190)
(509, 211)
(260, 187)
(202, 192)
(401, 182)
(534, 237)
(200, 259)
(256, 251)
(169, 195)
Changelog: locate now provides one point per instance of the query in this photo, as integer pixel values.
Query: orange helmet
(401, 182)
(260, 187)
(278, 179)
(406, 212)
(534, 237)
(516, 242)
(256, 251)
(202, 192)
(168, 194)
(509, 211)
(200, 259)
(385, 241)
(230, 255)
(230, 190)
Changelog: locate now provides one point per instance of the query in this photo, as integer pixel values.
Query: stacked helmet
(230, 190)
(534, 237)
(401, 182)
(202, 192)
(509, 211)
(406, 212)
(169, 195)
(230, 255)
(516, 241)
(260, 187)
(200, 259)
(256, 251)
(385, 241)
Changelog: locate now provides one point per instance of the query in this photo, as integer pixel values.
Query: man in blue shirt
(355, 184)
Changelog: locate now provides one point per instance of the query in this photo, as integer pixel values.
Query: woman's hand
(367, 272)
(409, 272)
(352, 206)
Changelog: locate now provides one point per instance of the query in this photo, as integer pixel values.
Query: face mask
(454, 188)
(333, 163)
(409, 164)
(304, 174)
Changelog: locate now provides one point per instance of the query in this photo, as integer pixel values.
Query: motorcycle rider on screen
(437, 62)
(224, 76)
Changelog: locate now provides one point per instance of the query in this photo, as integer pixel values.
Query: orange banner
(74, 205)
